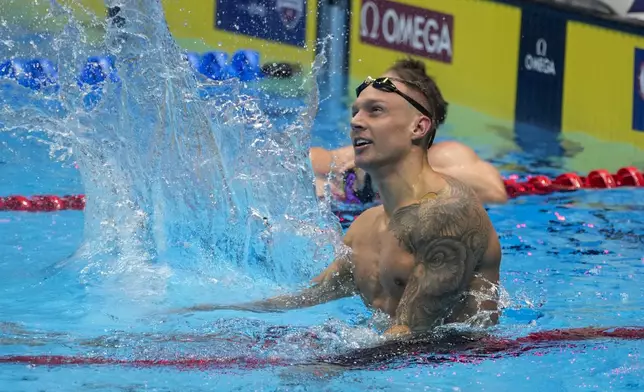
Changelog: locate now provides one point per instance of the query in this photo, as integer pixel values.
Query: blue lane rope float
(244, 65)
(97, 70)
(214, 65)
(31, 73)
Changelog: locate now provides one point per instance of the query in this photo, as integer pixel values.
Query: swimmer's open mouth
(359, 142)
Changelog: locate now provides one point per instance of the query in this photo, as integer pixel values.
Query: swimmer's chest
(381, 267)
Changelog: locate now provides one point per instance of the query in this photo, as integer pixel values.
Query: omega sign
(412, 30)
(540, 62)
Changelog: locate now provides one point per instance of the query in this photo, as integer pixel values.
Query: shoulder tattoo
(448, 236)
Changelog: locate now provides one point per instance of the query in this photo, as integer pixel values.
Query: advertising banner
(282, 21)
(280, 30)
(413, 30)
(638, 90)
(541, 65)
(470, 47)
(602, 96)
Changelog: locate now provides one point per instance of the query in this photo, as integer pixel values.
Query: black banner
(540, 81)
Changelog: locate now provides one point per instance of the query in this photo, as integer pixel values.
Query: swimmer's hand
(397, 331)
(345, 166)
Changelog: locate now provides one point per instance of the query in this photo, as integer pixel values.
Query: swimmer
(449, 157)
(335, 167)
(428, 255)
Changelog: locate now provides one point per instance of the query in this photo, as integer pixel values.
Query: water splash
(174, 181)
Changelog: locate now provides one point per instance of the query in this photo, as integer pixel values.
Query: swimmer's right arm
(335, 282)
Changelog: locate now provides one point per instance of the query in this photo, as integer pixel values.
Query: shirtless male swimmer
(425, 253)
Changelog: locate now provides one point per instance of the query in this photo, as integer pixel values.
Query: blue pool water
(570, 260)
(101, 283)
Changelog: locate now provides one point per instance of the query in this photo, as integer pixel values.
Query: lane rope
(531, 185)
(436, 350)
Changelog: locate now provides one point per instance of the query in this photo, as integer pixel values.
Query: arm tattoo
(448, 237)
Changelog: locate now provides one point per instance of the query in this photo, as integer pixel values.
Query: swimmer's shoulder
(462, 195)
(457, 191)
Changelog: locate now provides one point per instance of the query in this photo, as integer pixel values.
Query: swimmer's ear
(421, 128)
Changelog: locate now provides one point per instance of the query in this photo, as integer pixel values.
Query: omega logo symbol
(542, 47)
(540, 62)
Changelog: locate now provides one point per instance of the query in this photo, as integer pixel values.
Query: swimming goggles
(385, 84)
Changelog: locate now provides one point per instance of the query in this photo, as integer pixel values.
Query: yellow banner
(195, 27)
(470, 47)
(599, 83)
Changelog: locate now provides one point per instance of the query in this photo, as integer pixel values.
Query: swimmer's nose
(357, 124)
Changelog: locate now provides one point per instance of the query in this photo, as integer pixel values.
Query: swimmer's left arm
(447, 239)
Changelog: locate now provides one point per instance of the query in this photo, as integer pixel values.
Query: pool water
(569, 260)
(69, 321)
